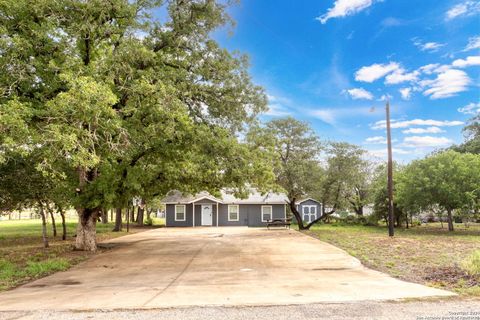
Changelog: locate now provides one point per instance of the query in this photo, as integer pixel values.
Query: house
(310, 209)
(204, 209)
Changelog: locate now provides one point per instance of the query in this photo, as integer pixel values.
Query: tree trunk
(54, 226)
(297, 215)
(398, 219)
(128, 218)
(44, 225)
(104, 216)
(450, 220)
(131, 213)
(118, 220)
(64, 226)
(111, 214)
(86, 229)
(140, 213)
(360, 211)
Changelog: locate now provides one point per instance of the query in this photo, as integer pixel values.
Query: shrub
(149, 221)
(471, 264)
(371, 220)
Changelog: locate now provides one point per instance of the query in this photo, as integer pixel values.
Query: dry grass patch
(427, 254)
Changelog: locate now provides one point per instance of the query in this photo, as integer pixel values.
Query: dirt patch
(451, 276)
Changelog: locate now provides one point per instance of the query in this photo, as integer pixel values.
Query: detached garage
(203, 209)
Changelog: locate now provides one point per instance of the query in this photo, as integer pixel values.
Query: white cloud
(276, 110)
(405, 93)
(342, 8)
(331, 115)
(469, 61)
(447, 84)
(467, 8)
(276, 106)
(382, 153)
(423, 130)
(427, 46)
(385, 97)
(426, 142)
(326, 115)
(416, 122)
(471, 108)
(360, 93)
(376, 140)
(399, 76)
(473, 43)
(375, 71)
(429, 68)
(392, 22)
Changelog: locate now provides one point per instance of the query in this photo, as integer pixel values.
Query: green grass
(158, 221)
(23, 257)
(424, 254)
(472, 264)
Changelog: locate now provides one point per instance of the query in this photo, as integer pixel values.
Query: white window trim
(271, 213)
(184, 212)
(238, 212)
(310, 206)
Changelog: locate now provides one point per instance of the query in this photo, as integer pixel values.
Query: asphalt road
(452, 309)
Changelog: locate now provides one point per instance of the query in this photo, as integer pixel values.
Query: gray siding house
(203, 209)
(310, 209)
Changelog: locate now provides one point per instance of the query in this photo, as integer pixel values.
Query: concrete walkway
(231, 266)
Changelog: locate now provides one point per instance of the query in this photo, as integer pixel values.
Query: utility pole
(389, 174)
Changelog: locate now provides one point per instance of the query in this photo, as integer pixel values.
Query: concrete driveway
(228, 266)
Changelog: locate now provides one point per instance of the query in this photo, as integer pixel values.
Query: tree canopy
(449, 179)
(294, 154)
(128, 104)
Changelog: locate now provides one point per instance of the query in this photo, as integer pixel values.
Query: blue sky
(329, 62)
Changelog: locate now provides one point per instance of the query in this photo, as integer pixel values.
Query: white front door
(206, 214)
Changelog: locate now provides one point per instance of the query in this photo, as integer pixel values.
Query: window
(233, 213)
(180, 212)
(266, 213)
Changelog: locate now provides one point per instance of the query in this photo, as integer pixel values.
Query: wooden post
(216, 206)
(391, 230)
(193, 211)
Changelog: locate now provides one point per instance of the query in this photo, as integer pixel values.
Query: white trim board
(261, 213)
(184, 212)
(238, 212)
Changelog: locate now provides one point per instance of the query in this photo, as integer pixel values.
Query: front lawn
(425, 254)
(23, 257)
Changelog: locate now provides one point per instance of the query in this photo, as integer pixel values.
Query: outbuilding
(310, 209)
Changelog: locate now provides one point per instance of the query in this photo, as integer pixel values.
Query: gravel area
(441, 309)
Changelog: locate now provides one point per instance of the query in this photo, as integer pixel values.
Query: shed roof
(306, 199)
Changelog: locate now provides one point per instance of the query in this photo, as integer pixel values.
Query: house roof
(227, 197)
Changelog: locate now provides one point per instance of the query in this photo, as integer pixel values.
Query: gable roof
(306, 199)
(227, 197)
